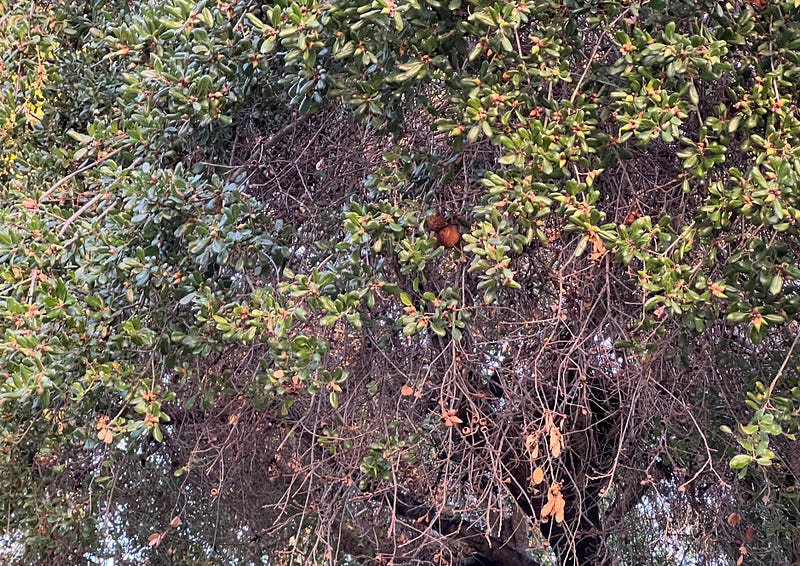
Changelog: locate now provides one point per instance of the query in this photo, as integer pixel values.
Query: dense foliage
(379, 281)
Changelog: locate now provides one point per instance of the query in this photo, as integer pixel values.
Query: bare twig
(783, 365)
(81, 210)
(77, 172)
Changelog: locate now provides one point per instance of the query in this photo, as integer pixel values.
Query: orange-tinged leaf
(176, 521)
(30, 204)
(406, 390)
(556, 442)
(547, 508)
(560, 505)
(532, 444)
(155, 539)
(450, 418)
(555, 504)
(632, 216)
(749, 534)
(538, 475)
(756, 319)
(734, 519)
(718, 290)
(598, 248)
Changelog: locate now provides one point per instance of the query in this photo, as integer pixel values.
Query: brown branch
(272, 141)
(68, 222)
(283, 132)
(77, 172)
(491, 549)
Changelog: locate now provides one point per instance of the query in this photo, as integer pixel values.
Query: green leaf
(740, 461)
(776, 285)
(437, 325)
(748, 429)
(329, 319)
(410, 71)
(693, 96)
(410, 329)
(737, 317)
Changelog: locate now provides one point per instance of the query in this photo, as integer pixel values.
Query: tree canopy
(399, 282)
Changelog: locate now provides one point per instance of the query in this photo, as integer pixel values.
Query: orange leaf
(555, 504)
(547, 508)
(560, 505)
(30, 204)
(538, 476)
(155, 539)
(598, 247)
(556, 442)
(450, 418)
(176, 521)
(749, 534)
(532, 444)
(406, 390)
(632, 216)
(734, 519)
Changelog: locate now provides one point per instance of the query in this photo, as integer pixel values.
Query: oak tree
(409, 282)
